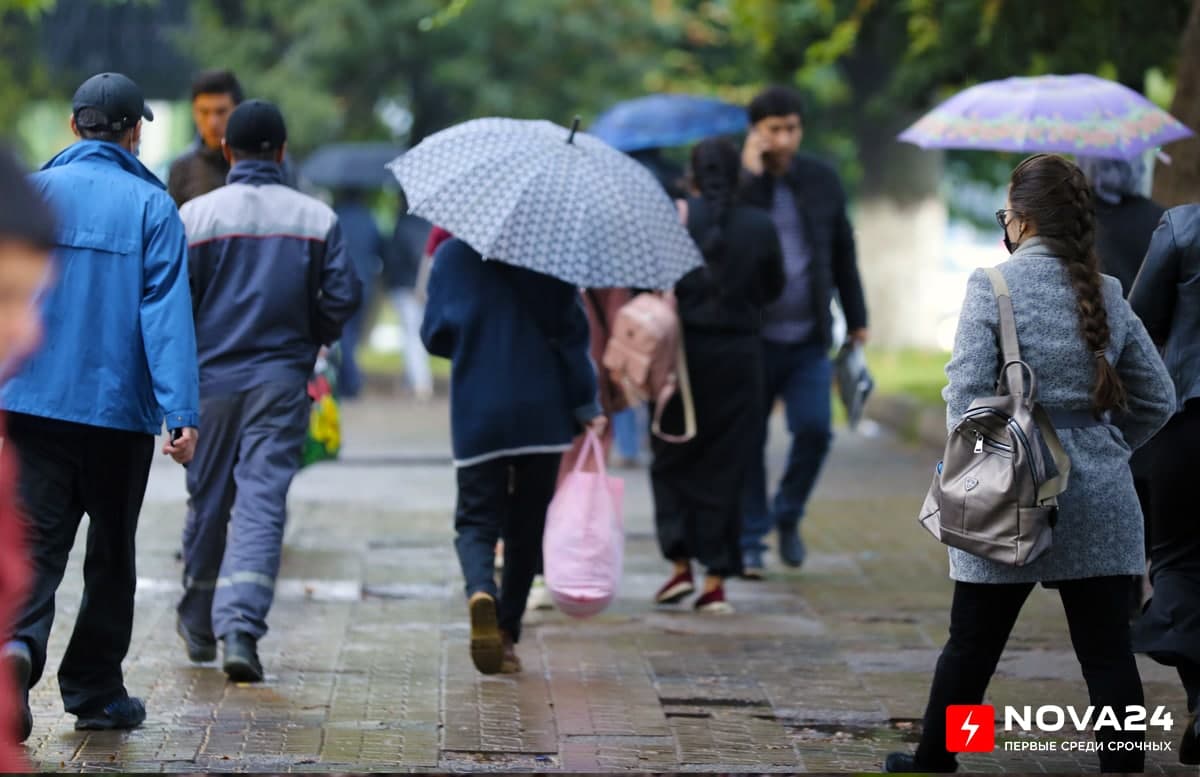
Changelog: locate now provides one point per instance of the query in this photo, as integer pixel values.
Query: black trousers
(504, 498)
(698, 484)
(981, 619)
(68, 470)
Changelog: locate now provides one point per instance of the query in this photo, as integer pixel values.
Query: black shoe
(241, 658)
(125, 713)
(1189, 746)
(200, 650)
(906, 763)
(791, 546)
(20, 664)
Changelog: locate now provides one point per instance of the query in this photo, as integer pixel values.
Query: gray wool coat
(1099, 530)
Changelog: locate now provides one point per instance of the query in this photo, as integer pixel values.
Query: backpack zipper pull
(978, 443)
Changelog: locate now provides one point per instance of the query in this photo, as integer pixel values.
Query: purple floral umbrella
(1078, 114)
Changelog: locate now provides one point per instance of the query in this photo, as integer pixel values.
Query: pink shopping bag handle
(591, 444)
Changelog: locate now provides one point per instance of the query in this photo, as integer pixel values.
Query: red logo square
(970, 728)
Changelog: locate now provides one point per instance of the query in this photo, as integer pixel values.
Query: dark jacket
(119, 349)
(821, 202)
(521, 378)
(197, 171)
(362, 239)
(402, 257)
(728, 293)
(1123, 234)
(1166, 296)
(271, 281)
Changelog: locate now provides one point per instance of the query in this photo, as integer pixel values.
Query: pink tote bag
(584, 544)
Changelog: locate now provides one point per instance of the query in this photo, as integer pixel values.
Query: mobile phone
(176, 434)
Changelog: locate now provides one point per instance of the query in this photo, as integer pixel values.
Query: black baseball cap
(255, 126)
(25, 216)
(116, 97)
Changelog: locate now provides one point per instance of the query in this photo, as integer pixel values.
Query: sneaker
(753, 567)
(241, 658)
(714, 602)
(20, 664)
(487, 648)
(510, 663)
(676, 589)
(200, 650)
(124, 713)
(1189, 746)
(539, 596)
(791, 546)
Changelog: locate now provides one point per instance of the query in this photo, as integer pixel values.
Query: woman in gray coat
(1108, 392)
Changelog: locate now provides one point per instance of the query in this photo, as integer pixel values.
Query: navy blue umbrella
(351, 165)
(666, 120)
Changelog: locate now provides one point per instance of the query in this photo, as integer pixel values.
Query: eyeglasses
(1003, 222)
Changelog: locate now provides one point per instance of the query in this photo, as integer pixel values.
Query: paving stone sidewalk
(822, 669)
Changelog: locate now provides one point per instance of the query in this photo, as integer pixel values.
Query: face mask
(1010, 245)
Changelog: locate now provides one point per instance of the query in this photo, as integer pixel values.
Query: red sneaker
(714, 602)
(676, 589)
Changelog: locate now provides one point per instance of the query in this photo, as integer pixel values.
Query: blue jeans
(627, 431)
(802, 375)
(350, 380)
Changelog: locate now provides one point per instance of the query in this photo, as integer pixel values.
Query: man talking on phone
(118, 360)
(808, 205)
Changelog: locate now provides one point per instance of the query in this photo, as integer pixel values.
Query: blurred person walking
(698, 484)
(1107, 392)
(1166, 295)
(271, 284)
(402, 274)
(83, 413)
(808, 207)
(365, 246)
(202, 168)
(27, 237)
(522, 387)
(1124, 218)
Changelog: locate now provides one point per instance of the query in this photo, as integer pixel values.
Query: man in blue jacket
(271, 284)
(119, 359)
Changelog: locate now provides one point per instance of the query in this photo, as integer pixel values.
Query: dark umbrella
(351, 165)
(666, 120)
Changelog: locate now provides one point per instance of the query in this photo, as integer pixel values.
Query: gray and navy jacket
(271, 281)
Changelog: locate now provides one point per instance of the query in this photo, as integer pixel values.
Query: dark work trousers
(981, 619)
(505, 498)
(248, 452)
(698, 484)
(67, 470)
(1169, 629)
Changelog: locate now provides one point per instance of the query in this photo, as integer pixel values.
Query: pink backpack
(645, 357)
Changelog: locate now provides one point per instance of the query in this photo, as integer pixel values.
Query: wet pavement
(822, 669)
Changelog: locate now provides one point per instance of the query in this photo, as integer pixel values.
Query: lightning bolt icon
(971, 728)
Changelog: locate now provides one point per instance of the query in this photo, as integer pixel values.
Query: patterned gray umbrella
(560, 202)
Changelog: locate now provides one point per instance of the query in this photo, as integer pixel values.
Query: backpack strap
(1062, 462)
(1009, 343)
(685, 395)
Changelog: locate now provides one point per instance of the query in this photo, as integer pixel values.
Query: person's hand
(859, 336)
(183, 449)
(597, 425)
(752, 153)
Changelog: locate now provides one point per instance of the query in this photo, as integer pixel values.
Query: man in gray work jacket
(271, 283)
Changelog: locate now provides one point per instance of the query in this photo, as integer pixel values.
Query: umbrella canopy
(350, 165)
(665, 120)
(562, 203)
(1078, 114)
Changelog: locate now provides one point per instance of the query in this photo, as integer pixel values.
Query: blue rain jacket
(119, 349)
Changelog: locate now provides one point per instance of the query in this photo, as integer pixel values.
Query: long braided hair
(1054, 195)
(716, 165)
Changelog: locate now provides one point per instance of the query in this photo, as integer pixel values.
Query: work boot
(20, 665)
(241, 658)
(487, 647)
(124, 713)
(200, 650)
(791, 546)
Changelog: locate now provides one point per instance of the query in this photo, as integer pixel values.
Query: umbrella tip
(574, 129)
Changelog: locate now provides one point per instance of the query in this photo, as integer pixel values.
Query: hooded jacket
(119, 349)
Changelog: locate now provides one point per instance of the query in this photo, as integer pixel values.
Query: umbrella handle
(574, 129)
